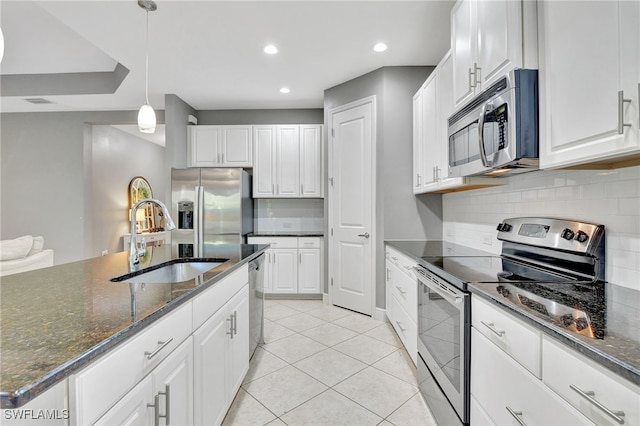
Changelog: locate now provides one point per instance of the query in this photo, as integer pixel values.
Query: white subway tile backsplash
(609, 197)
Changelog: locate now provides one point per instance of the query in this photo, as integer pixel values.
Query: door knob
(366, 235)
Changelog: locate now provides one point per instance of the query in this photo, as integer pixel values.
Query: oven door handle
(447, 293)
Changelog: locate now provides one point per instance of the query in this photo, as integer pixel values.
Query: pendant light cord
(146, 77)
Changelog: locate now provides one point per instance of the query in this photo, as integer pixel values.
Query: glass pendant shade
(146, 119)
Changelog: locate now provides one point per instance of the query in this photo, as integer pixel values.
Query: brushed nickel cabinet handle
(589, 396)
(402, 292)
(477, 73)
(516, 415)
(621, 102)
(161, 346)
(491, 326)
(400, 326)
(230, 319)
(472, 85)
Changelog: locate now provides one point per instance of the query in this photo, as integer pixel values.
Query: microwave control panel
(499, 117)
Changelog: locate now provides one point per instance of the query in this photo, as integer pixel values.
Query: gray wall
(46, 177)
(118, 157)
(400, 215)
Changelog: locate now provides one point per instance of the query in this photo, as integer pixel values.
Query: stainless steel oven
(443, 347)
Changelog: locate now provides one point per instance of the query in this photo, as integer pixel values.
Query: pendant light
(146, 115)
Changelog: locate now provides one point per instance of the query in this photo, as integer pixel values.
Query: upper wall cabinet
(589, 83)
(288, 161)
(488, 39)
(220, 146)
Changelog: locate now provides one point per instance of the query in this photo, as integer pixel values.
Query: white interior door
(351, 206)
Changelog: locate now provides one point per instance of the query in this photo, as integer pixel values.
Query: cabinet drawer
(404, 326)
(568, 372)
(405, 289)
(404, 263)
(500, 384)
(517, 339)
(96, 388)
(308, 242)
(276, 242)
(212, 299)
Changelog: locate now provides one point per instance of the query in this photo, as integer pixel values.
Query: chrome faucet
(134, 256)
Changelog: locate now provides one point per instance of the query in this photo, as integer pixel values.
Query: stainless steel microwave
(496, 132)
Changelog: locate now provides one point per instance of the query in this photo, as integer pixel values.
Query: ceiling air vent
(39, 101)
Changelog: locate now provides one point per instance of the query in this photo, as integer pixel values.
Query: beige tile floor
(323, 365)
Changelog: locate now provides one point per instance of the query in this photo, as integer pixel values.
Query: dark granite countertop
(618, 351)
(56, 320)
(286, 234)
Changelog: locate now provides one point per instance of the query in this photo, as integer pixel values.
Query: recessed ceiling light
(270, 49)
(380, 47)
(285, 90)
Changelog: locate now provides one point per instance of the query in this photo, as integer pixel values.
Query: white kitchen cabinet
(220, 146)
(311, 164)
(401, 299)
(589, 66)
(309, 271)
(168, 389)
(433, 104)
(284, 268)
(293, 265)
(264, 164)
(102, 384)
(488, 39)
(288, 161)
(586, 385)
(509, 394)
(221, 359)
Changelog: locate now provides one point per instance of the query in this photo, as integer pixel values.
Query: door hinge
(331, 282)
(331, 181)
(333, 133)
(332, 232)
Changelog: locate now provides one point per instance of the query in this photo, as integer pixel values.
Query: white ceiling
(209, 53)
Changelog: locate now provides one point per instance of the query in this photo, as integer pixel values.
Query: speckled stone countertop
(56, 320)
(286, 234)
(619, 350)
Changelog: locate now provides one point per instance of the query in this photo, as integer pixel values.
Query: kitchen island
(56, 321)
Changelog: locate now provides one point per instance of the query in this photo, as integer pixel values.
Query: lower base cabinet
(505, 393)
(221, 359)
(165, 396)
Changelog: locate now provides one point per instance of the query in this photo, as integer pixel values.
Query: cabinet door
(311, 161)
(285, 271)
(288, 161)
(582, 69)
(309, 271)
(211, 347)
(132, 409)
(173, 382)
(237, 146)
(432, 146)
(463, 49)
(499, 43)
(239, 344)
(264, 161)
(205, 143)
(418, 142)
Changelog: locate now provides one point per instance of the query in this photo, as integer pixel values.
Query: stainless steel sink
(171, 273)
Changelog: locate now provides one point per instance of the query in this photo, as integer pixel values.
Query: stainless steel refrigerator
(210, 205)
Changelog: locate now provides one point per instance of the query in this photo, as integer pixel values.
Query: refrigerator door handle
(201, 215)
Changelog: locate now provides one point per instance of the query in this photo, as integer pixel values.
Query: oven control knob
(582, 237)
(581, 323)
(567, 234)
(504, 227)
(567, 319)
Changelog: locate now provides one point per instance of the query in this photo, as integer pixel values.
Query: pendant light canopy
(146, 115)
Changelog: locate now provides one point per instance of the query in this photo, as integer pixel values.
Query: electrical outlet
(105, 252)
